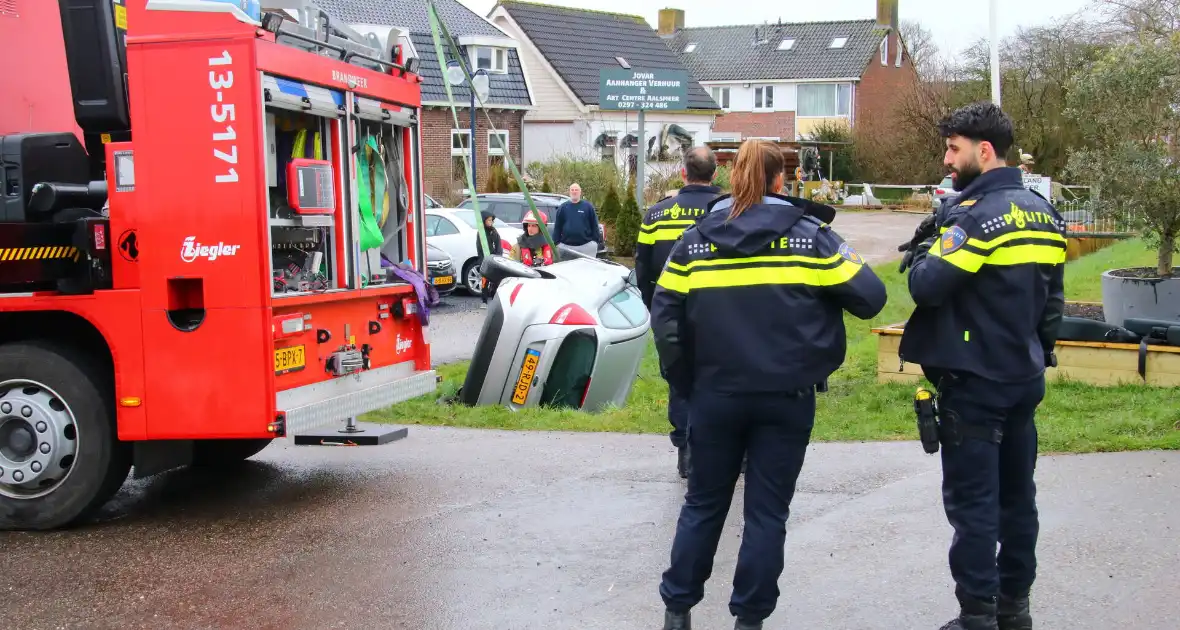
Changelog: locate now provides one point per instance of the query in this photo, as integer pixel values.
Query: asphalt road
(464, 529)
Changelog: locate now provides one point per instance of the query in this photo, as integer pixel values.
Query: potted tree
(1127, 108)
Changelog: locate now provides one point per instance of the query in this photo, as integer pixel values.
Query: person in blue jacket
(576, 224)
(989, 294)
(748, 322)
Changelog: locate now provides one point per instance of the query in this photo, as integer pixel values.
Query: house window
(764, 97)
(460, 150)
(691, 47)
(885, 51)
(493, 60)
(786, 44)
(721, 95)
(497, 147)
(838, 42)
(824, 99)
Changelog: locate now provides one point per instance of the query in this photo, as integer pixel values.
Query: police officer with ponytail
(748, 322)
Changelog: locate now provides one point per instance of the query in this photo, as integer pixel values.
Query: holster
(952, 430)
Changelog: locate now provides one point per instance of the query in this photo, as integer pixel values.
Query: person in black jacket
(662, 226)
(748, 322)
(990, 296)
(497, 247)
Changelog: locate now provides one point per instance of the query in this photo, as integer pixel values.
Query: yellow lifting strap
(297, 151)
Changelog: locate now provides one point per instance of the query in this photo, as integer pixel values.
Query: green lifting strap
(371, 189)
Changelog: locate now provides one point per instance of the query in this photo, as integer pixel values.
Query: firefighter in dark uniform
(989, 295)
(748, 321)
(662, 226)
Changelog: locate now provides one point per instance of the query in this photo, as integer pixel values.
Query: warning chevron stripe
(50, 252)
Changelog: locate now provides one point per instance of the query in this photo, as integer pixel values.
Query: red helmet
(529, 218)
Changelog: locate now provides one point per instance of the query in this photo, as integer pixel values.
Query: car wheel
(472, 278)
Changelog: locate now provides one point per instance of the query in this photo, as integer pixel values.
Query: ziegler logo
(402, 345)
(192, 250)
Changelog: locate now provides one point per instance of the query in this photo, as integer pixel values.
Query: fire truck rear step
(310, 409)
(353, 434)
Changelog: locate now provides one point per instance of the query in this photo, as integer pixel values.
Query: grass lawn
(1073, 418)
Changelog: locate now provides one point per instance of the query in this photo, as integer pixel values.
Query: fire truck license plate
(289, 359)
(527, 372)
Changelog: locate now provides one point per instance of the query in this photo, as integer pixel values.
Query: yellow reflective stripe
(721, 262)
(962, 258)
(1026, 254)
(668, 223)
(1012, 236)
(713, 278)
(665, 234)
(971, 261)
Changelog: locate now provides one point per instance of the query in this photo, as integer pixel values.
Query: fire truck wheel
(60, 457)
(221, 452)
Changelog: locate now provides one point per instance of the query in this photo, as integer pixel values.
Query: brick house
(445, 145)
(781, 81)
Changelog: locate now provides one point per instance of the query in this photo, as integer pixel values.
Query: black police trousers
(772, 431)
(677, 416)
(987, 487)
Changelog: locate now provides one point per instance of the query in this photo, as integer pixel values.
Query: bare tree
(920, 44)
(1146, 20)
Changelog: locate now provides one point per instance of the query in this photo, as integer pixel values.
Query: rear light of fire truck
(290, 325)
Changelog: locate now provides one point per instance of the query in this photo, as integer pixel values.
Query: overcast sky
(955, 25)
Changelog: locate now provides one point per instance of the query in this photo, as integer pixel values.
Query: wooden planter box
(1102, 364)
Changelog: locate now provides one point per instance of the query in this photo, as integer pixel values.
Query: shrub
(626, 230)
(722, 178)
(608, 213)
(595, 176)
(497, 180)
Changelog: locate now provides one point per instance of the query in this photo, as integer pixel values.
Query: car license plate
(442, 280)
(289, 359)
(527, 372)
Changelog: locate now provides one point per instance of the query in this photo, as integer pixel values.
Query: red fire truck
(211, 237)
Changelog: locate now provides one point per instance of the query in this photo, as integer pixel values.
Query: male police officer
(662, 226)
(989, 295)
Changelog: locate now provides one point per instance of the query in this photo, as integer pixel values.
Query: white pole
(994, 40)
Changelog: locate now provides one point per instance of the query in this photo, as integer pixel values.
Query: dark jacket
(989, 292)
(576, 224)
(534, 251)
(662, 226)
(756, 304)
(495, 243)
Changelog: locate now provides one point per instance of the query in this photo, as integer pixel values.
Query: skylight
(691, 47)
(623, 62)
(786, 44)
(838, 42)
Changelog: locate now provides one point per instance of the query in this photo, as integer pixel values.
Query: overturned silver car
(571, 335)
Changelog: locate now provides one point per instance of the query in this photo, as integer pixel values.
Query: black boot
(684, 461)
(974, 614)
(1012, 613)
(747, 625)
(677, 621)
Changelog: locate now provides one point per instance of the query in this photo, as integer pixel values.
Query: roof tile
(504, 89)
(578, 43)
(729, 53)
